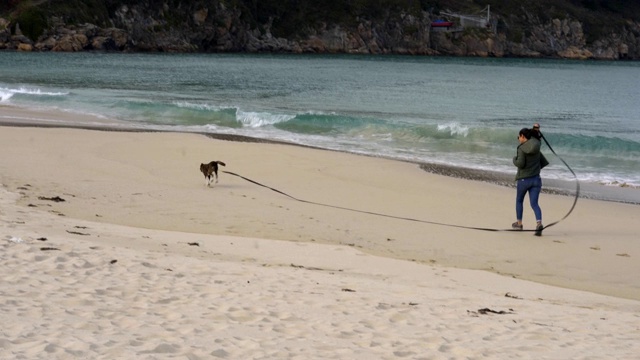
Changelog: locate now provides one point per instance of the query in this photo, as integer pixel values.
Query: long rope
(413, 219)
(364, 211)
(575, 199)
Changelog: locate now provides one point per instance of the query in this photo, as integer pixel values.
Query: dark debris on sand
(54, 199)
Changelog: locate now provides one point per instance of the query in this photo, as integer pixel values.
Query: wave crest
(259, 119)
(8, 93)
(454, 129)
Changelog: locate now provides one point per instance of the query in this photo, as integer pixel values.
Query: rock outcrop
(219, 28)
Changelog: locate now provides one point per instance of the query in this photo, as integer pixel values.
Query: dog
(210, 171)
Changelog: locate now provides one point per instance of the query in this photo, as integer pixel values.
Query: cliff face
(217, 26)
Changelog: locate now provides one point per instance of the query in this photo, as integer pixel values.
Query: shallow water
(456, 112)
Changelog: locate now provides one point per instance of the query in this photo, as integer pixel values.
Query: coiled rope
(413, 219)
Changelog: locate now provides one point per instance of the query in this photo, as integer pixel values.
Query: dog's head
(203, 167)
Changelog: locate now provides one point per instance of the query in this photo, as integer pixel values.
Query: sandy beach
(114, 247)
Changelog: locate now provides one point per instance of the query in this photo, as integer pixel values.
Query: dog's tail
(221, 163)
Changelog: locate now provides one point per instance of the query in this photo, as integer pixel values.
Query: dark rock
(196, 27)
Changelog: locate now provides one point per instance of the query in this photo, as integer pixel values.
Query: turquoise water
(453, 111)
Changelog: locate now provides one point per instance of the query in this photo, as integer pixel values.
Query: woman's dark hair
(535, 132)
(526, 132)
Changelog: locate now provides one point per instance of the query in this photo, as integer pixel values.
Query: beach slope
(113, 246)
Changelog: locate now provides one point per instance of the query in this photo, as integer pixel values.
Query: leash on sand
(362, 211)
(413, 219)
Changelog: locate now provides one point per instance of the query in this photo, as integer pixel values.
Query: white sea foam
(609, 180)
(8, 93)
(208, 107)
(454, 128)
(5, 95)
(259, 119)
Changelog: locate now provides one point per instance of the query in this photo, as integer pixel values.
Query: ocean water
(460, 112)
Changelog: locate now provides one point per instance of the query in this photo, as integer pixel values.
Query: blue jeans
(533, 185)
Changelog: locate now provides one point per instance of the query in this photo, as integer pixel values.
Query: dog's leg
(214, 171)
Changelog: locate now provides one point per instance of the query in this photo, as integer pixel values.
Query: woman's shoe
(516, 226)
(539, 229)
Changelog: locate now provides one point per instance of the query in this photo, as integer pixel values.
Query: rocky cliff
(229, 26)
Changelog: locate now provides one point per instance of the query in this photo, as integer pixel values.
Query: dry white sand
(143, 261)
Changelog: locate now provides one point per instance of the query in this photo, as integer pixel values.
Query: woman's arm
(520, 159)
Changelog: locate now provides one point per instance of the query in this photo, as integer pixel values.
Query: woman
(529, 161)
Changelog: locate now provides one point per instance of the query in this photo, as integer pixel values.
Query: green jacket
(529, 160)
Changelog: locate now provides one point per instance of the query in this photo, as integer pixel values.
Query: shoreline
(592, 191)
(134, 190)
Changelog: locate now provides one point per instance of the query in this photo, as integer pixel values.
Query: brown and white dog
(210, 170)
